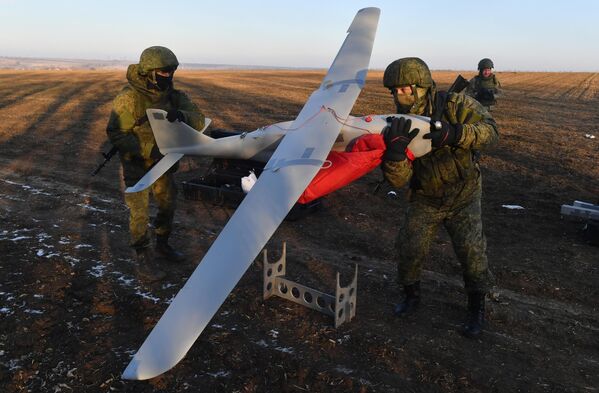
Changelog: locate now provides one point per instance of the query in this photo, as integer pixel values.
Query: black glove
(448, 134)
(175, 114)
(397, 137)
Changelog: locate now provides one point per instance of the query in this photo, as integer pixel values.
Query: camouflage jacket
(128, 127)
(439, 176)
(484, 89)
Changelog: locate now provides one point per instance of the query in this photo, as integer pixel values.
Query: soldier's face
(404, 98)
(165, 74)
(403, 90)
(487, 72)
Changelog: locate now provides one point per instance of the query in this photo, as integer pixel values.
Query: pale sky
(519, 35)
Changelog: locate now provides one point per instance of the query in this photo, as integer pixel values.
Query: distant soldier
(150, 86)
(445, 184)
(485, 86)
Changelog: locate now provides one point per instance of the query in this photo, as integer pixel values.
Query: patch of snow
(169, 300)
(31, 311)
(147, 295)
(344, 339)
(262, 344)
(72, 261)
(40, 252)
(124, 280)
(344, 370)
(220, 374)
(288, 350)
(589, 136)
(84, 246)
(33, 190)
(22, 230)
(10, 182)
(90, 207)
(16, 239)
(13, 364)
(365, 382)
(513, 207)
(97, 271)
(43, 236)
(11, 198)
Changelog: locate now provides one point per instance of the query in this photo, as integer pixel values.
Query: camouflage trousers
(463, 222)
(164, 191)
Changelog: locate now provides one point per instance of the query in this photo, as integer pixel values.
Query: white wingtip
(137, 187)
(136, 370)
(132, 371)
(154, 174)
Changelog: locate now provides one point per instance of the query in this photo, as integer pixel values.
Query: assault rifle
(107, 157)
(458, 85)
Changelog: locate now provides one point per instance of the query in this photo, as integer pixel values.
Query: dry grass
(542, 334)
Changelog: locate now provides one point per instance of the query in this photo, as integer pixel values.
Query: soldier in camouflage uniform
(445, 184)
(150, 86)
(485, 86)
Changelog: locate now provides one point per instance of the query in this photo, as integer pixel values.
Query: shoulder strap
(141, 120)
(440, 100)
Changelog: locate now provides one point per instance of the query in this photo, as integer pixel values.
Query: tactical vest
(436, 174)
(485, 90)
(142, 127)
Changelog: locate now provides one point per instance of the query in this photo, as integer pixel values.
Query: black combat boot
(410, 301)
(476, 315)
(146, 269)
(166, 251)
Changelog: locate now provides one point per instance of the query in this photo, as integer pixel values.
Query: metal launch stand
(341, 306)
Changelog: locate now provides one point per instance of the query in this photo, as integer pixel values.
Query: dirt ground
(72, 312)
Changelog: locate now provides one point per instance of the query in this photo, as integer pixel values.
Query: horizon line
(210, 66)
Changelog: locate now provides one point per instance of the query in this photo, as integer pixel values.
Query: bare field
(72, 312)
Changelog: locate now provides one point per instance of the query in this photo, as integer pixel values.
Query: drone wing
(162, 129)
(291, 168)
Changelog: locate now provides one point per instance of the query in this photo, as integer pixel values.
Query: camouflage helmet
(156, 57)
(485, 63)
(407, 71)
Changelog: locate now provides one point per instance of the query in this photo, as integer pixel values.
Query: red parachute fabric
(365, 155)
